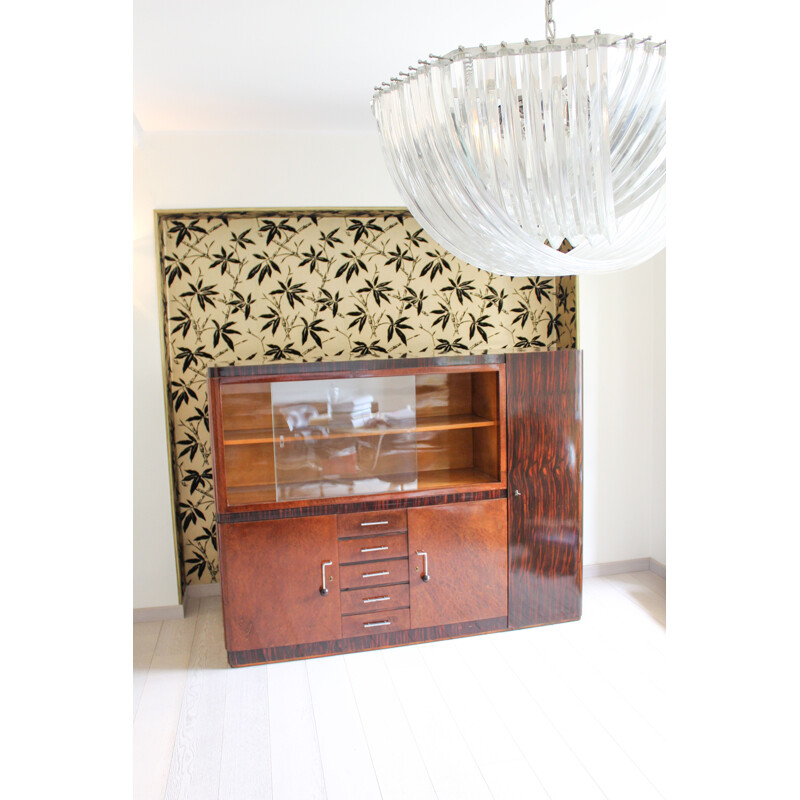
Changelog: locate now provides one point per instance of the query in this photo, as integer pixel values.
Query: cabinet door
(467, 563)
(545, 464)
(271, 579)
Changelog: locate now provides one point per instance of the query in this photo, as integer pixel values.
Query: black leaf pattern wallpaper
(283, 285)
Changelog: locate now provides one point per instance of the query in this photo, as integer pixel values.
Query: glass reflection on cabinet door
(344, 436)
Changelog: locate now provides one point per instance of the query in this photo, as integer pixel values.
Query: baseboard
(157, 613)
(615, 567)
(175, 612)
(658, 568)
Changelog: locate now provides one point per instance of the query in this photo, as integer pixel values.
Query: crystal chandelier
(538, 158)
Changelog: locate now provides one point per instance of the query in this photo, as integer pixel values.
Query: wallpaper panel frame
(262, 285)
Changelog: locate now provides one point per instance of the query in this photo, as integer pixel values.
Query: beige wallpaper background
(266, 285)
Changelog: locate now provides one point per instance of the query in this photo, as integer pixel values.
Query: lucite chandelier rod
(501, 151)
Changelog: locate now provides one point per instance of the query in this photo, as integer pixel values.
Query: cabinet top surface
(346, 364)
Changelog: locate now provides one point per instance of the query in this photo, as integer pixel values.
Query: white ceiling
(260, 65)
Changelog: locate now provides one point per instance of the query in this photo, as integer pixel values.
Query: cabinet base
(246, 658)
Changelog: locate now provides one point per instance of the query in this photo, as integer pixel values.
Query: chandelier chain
(550, 25)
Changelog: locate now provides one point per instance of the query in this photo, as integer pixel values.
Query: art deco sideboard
(377, 503)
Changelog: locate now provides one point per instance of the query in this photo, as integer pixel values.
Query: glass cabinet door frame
(216, 384)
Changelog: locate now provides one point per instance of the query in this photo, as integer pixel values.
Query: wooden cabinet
(366, 504)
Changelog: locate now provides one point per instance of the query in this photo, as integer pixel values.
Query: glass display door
(307, 439)
(340, 437)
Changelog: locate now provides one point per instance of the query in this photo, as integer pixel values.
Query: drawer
(363, 601)
(357, 576)
(377, 622)
(368, 523)
(368, 548)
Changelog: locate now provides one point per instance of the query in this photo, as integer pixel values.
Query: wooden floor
(573, 711)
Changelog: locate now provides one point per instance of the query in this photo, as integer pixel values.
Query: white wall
(658, 486)
(185, 171)
(622, 336)
(177, 171)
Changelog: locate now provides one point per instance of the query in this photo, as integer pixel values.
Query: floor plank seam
(450, 714)
(316, 731)
(552, 722)
(615, 689)
(610, 734)
(521, 749)
(408, 723)
(147, 674)
(450, 710)
(361, 722)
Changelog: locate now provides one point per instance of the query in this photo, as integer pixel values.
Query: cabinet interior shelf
(422, 425)
(433, 479)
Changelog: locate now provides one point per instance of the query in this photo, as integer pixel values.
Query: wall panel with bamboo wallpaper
(301, 285)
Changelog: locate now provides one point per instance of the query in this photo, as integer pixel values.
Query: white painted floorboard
(562, 712)
(194, 772)
(345, 754)
(245, 768)
(294, 746)
(156, 720)
(144, 645)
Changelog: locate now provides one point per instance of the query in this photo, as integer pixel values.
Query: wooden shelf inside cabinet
(426, 481)
(452, 479)
(251, 495)
(422, 425)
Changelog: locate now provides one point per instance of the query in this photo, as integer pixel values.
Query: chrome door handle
(324, 589)
(374, 549)
(425, 574)
(374, 574)
(376, 624)
(383, 522)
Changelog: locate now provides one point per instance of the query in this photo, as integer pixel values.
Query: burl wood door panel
(466, 546)
(545, 468)
(271, 581)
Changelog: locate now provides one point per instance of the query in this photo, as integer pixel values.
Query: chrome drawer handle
(425, 574)
(374, 574)
(376, 599)
(324, 589)
(385, 522)
(374, 549)
(376, 624)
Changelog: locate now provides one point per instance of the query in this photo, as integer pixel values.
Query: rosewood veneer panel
(545, 456)
(355, 644)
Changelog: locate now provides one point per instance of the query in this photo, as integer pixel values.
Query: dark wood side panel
(273, 594)
(356, 644)
(545, 457)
